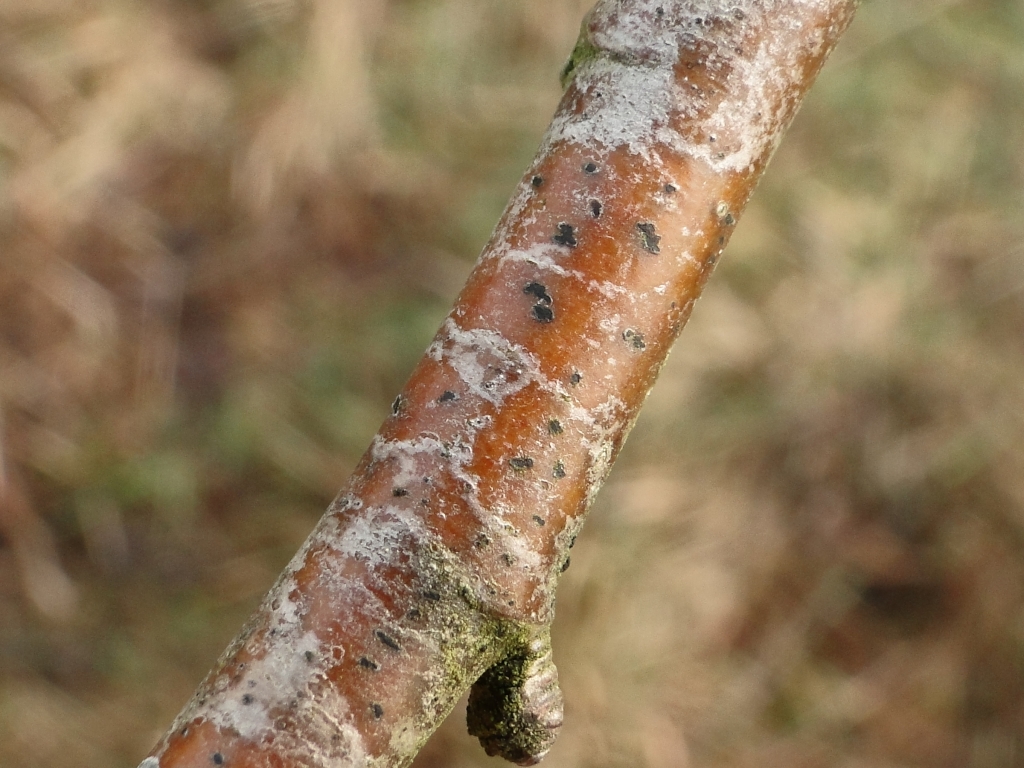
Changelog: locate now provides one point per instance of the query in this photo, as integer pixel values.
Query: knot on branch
(515, 708)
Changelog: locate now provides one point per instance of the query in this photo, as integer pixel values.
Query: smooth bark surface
(437, 566)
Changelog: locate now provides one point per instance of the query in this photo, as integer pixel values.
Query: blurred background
(228, 229)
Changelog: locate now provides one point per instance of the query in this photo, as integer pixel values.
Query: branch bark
(436, 568)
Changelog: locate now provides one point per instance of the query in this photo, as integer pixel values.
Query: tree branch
(436, 567)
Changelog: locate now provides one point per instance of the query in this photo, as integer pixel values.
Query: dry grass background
(229, 227)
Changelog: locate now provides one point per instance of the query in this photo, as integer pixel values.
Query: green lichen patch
(468, 636)
(515, 707)
(584, 51)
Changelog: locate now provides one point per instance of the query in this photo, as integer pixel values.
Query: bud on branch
(436, 567)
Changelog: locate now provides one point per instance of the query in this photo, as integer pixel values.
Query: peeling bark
(436, 567)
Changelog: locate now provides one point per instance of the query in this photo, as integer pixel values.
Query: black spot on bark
(596, 208)
(309, 656)
(576, 378)
(671, 189)
(378, 711)
(508, 559)
(635, 338)
(537, 181)
(248, 699)
(482, 541)
(521, 463)
(218, 758)
(555, 427)
(542, 313)
(387, 640)
(397, 405)
(366, 663)
(649, 238)
(447, 396)
(559, 470)
(566, 236)
(430, 594)
(399, 492)
(590, 168)
(539, 520)
(539, 291)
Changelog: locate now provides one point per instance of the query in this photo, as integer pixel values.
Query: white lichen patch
(610, 325)
(269, 685)
(375, 536)
(685, 257)
(511, 539)
(150, 762)
(406, 735)
(279, 681)
(544, 256)
(270, 681)
(491, 367)
(378, 535)
(415, 459)
(633, 108)
(633, 98)
(753, 113)
(601, 456)
(514, 216)
(407, 455)
(608, 422)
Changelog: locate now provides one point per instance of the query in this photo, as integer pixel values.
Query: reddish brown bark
(439, 562)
